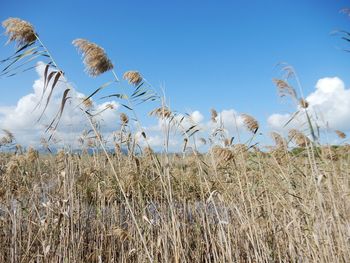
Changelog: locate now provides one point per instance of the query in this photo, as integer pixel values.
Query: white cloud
(329, 105)
(22, 119)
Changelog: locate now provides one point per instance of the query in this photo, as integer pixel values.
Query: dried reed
(95, 59)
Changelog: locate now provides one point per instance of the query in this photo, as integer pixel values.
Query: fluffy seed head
(161, 112)
(147, 151)
(303, 103)
(329, 153)
(117, 149)
(222, 155)
(32, 155)
(214, 114)
(298, 137)
(94, 57)
(133, 77)
(19, 31)
(284, 89)
(110, 106)
(340, 134)
(87, 103)
(251, 123)
(8, 138)
(124, 118)
(278, 139)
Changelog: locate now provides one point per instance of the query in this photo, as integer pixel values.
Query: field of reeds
(235, 202)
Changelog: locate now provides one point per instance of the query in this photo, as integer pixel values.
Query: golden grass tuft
(124, 119)
(222, 155)
(161, 112)
(280, 142)
(250, 123)
(87, 102)
(303, 103)
(7, 138)
(95, 59)
(214, 115)
(32, 155)
(298, 138)
(133, 77)
(340, 134)
(284, 89)
(19, 31)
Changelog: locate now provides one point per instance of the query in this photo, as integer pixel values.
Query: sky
(200, 54)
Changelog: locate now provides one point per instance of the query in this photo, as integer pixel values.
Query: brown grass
(19, 31)
(69, 207)
(95, 58)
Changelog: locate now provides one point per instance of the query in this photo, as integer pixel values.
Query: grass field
(248, 207)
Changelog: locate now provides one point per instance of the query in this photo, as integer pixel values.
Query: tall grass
(254, 207)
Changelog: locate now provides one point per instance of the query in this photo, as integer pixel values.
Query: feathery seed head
(19, 31)
(303, 103)
(133, 77)
(278, 139)
(110, 106)
(340, 134)
(214, 114)
(147, 151)
(298, 137)
(284, 89)
(32, 155)
(161, 112)
(117, 149)
(87, 103)
(251, 123)
(222, 155)
(8, 138)
(124, 118)
(94, 57)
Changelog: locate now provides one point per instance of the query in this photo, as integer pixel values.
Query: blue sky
(205, 54)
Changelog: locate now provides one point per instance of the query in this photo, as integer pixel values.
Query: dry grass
(95, 58)
(69, 208)
(19, 31)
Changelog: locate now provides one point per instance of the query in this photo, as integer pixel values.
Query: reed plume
(87, 102)
(32, 155)
(8, 138)
(161, 112)
(222, 155)
(284, 89)
(298, 137)
(124, 118)
(278, 139)
(94, 57)
(19, 31)
(303, 103)
(340, 134)
(133, 77)
(148, 151)
(214, 114)
(250, 123)
(329, 153)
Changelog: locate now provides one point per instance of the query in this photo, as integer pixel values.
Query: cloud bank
(329, 106)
